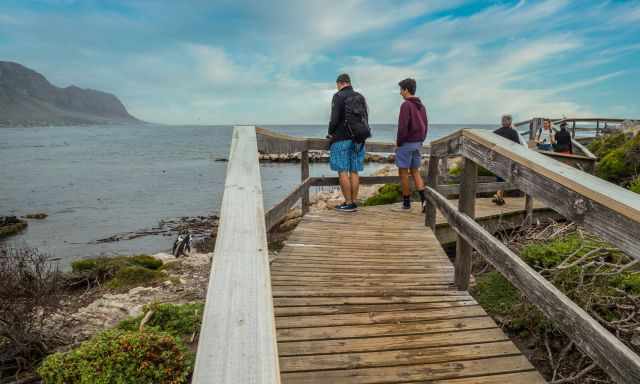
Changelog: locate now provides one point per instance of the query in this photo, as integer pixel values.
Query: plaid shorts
(346, 156)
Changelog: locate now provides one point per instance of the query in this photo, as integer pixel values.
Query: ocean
(98, 181)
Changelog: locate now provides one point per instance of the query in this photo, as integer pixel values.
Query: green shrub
(496, 294)
(622, 164)
(550, 254)
(133, 276)
(146, 261)
(457, 171)
(606, 143)
(635, 185)
(176, 320)
(84, 265)
(118, 356)
(628, 281)
(387, 194)
(118, 271)
(504, 302)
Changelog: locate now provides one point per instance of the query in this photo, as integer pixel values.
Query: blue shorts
(346, 156)
(544, 147)
(408, 155)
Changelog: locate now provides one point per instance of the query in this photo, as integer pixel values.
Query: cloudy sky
(275, 62)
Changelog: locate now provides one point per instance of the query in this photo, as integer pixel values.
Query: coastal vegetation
(601, 279)
(30, 291)
(39, 304)
(619, 158)
(154, 347)
(117, 272)
(387, 194)
(119, 356)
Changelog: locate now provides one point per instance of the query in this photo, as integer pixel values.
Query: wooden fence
(237, 340)
(603, 208)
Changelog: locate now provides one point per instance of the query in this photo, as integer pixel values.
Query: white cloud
(279, 65)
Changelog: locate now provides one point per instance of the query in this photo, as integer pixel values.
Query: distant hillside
(27, 98)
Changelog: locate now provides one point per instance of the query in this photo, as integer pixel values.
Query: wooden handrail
(610, 211)
(613, 356)
(578, 120)
(273, 142)
(237, 342)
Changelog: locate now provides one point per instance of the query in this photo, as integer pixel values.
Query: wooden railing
(605, 209)
(273, 142)
(598, 124)
(237, 341)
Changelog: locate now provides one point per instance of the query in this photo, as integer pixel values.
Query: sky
(276, 61)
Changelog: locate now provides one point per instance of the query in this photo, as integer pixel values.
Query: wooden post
(443, 170)
(528, 206)
(597, 128)
(304, 172)
(573, 129)
(466, 205)
(431, 181)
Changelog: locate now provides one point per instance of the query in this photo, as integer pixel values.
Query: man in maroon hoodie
(412, 131)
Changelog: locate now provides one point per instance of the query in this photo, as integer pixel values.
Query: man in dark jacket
(412, 131)
(345, 156)
(508, 132)
(563, 140)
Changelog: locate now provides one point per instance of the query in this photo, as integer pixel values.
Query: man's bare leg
(404, 181)
(345, 186)
(417, 178)
(355, 186)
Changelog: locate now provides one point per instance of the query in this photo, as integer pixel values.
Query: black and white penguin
(182, 245)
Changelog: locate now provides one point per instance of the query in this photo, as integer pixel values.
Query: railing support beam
(528, 206)
(466, 205)
(432, 181)
(304, 171)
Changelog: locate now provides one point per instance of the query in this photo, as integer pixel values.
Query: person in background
(412, 131)
(563, 140)
(508, 132)
(545, 138)
(346, 156)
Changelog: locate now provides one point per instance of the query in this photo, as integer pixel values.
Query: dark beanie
(343, 78)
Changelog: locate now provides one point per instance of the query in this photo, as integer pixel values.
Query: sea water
(98, 181)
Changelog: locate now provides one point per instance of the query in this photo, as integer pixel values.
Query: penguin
(182, 245)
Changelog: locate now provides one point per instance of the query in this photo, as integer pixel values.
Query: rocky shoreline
(187, 277)
(321, 157)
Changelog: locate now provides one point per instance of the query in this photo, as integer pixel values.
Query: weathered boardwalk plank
(369, 298)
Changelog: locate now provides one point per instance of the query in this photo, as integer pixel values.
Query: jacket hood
(416, 100)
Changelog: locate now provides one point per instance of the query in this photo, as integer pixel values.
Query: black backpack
(356, 118)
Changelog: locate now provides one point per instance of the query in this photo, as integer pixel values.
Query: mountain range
(27, 98)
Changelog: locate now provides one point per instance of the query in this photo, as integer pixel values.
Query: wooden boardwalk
(369, 298)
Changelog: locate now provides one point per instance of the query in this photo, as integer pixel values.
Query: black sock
(422, 196)
(406, 198)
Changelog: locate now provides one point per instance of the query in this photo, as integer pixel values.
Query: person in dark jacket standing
(412, 131)
(345, 156)
(508, 132)
(563, 140)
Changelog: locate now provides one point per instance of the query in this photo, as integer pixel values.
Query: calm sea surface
(97, 181)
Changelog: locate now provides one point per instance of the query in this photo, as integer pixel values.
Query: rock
(37, 216)
(164, 257)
